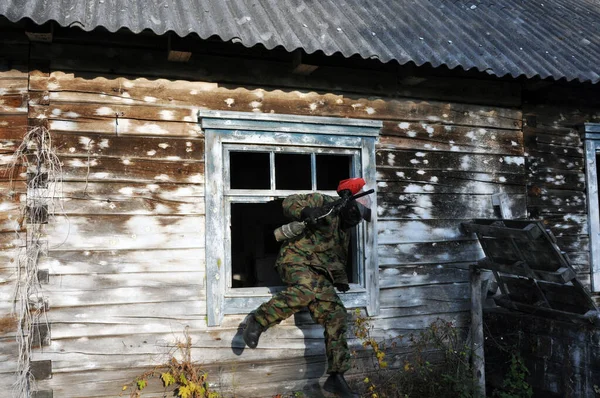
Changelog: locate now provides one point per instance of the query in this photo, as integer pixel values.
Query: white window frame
(225, 131)
(592, 148)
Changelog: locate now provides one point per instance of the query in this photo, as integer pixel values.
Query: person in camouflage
(312, 266)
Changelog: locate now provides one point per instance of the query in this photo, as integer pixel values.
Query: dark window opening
(249, 170)
(331, 169)
(253, 246)
(292, 171)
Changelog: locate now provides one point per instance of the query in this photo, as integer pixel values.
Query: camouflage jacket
(323, 246)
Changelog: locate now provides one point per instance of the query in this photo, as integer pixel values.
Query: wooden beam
(477, 333)
(179, 49)
(300, 68)
(41, 33)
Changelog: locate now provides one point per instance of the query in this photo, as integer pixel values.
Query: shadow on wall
(314, 365)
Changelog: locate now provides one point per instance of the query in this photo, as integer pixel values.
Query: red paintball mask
(354, 185)
(356, 210)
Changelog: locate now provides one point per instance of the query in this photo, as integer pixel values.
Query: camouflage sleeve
(293, 204)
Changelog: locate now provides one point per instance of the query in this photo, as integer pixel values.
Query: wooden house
(146, 146)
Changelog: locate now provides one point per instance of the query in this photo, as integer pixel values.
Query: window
(253, 161)
(256, 175)
(592, 149)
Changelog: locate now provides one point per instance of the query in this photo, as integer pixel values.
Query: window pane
(292, 171)
(331, 169)
(253, 246)
(249, 170)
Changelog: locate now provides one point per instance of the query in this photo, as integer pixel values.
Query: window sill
(249, 299)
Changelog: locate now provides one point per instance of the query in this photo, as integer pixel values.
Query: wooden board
(125, 232)
(163, 148)
(432, 206)
(425, 160)
(439, 137)
(209, 96)
(429, 253)
(134, 170)
(560, 297)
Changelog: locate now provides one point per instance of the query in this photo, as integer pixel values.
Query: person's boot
(336, 384)
(252, 331)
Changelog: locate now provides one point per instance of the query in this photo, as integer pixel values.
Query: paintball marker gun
(296, 228)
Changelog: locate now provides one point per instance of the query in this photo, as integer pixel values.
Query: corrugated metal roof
(546, 38)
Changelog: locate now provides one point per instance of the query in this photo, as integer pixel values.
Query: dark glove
(342, 287)
(311, 214)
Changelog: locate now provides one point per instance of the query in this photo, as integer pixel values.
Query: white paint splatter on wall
(127, 191)
(516, 160)
(85, 141)
(78, 163)
(162, 177)
(196, 179)
(391, 159)
(63, 125)
(105, 111)
(167, 115)
(465, 162)
(423, 206)
(150, 128)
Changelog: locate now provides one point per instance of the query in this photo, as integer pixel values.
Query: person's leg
(294, 298)
(333, 317)
(329, 311)
(298, 294)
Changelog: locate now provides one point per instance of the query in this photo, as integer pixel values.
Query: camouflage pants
(309, 288)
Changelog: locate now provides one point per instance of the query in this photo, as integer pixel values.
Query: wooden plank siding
(556, 177)
(13, 126)
(126, 244)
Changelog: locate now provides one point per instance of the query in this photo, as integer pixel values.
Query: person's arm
(294, 204)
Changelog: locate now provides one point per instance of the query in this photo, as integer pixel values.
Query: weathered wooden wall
(126, 245)
(126, 248)
(13, 125)
(556, 177)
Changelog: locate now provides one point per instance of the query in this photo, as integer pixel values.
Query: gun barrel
(360, 195)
